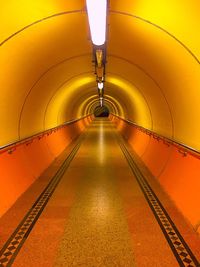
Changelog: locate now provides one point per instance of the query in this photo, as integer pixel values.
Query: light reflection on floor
(101, 144)
(96, 233)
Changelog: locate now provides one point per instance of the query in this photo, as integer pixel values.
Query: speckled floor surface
(96, 232)
(98, 215)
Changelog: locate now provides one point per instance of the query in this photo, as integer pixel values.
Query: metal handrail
(184, 148)
(14, 144)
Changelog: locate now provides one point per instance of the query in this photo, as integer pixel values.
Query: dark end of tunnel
(101, 111)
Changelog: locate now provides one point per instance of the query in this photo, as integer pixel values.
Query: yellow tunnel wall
(152, 72)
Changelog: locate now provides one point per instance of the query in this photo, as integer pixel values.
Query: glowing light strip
(97, 10)
(100, 85)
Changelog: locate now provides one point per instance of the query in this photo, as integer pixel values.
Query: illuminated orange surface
(97, 199)
(28, 160)
(178, 173)
(152, 66)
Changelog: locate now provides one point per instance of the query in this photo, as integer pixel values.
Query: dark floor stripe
(179, 247)
(11, 248)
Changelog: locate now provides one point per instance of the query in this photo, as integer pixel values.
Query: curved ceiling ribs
(160, 28)
(39, 21)
(156, 84)
(145, 80)
(39, 79)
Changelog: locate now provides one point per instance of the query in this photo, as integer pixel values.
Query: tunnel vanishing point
(100, 133)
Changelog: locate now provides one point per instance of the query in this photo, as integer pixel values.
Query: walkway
(97, 211)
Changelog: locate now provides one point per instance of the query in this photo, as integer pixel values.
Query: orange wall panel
(178, 172)
(135, 137)
(29, 159)
(16, 176)
(181, 180)
(38, 155)
(157, 155)
(57, 141)
(139, 141)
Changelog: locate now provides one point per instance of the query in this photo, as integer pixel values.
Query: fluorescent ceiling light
(97, 10)
(100, 86)
(101, 101)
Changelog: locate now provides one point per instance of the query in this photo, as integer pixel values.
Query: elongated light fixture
(101, 101)
(97, 10)
(100, 85)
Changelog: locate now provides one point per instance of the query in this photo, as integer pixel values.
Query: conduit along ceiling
(152, 72)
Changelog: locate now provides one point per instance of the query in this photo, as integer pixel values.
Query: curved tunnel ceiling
(152, 71)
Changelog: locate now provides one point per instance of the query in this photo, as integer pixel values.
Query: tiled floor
(98, 215)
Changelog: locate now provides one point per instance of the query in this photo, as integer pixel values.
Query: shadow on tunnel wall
(176, 168)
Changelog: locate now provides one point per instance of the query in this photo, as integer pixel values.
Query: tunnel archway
(151, 87)
(101, 111)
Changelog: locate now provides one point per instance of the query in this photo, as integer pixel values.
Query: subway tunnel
(119, 188)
